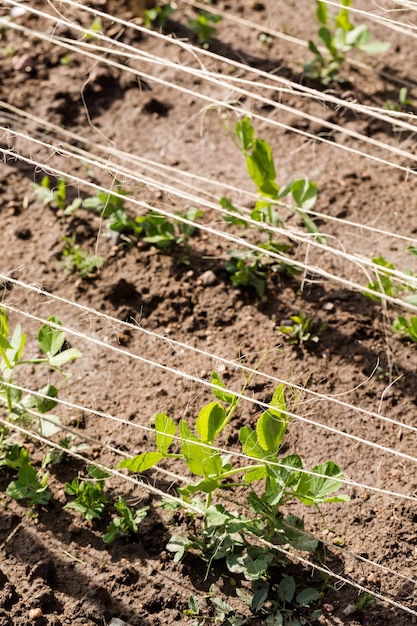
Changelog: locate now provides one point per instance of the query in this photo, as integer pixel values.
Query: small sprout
(77, 260)
(203, 27)
(158, 16)
(89, 497)
(338, 35)
(301, 330)
(127, 523)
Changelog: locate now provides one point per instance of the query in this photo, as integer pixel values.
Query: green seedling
(161, 232)
(51, 342)
(364, 601)
(203, 26)
(251, 268)
(158, 16)
(301, 331)
(270, 481)
(56, 196)
(90, 499)
(94, 28)
(67, 447)
(403, 101)
(125, 524)
(78, 261)
(30, 485)
(339, 36)
(406, 327)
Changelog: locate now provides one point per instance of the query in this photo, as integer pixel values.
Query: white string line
(380, 18)
(294, 40)
(84, 437)
(327, 571)
(349, 132)
(294, 235)
(112, 321)
(360, 262)
(293, 87)
(207, 384)
(127, 477)
(220, 82)
(216, 449)
(174, 173)
(208, 53)
(155, 491)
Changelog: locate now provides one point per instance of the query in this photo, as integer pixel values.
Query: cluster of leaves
(270, 482)
(153, 227)
(281, 611)
(302, 330)
(338, 35)
(29, 484)
(250, 267)
(385, 284)
(51, 340)
(158, 16)
(204, 26)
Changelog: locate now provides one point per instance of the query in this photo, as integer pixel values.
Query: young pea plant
(251, 268)
(29, 485)
(56, 196)
(78, 261)
(302, 330)
(157, 17)
(51, 340)
(385, 284)
(339, 36)
(89, 496)
(268, 479)
(203, 26)
(126, 524)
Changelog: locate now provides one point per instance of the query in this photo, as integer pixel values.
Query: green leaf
(51, 339)
(141, 462)
(286, 589)
(272, 425)
(64, 357)
(321, 12)
(307, 596)
(250, 445)
(304, 193)
(210, 421)
(261, 168)
(245, 133)
(223, 396)
(178, 545)
(201, 460)
(375, 47)
(164, 431)
(316, 489)
(46, 404)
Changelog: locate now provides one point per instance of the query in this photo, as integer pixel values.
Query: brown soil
(55, 568)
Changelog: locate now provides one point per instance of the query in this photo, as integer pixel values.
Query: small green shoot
(251, 268)
(364, 601)
(51, 340)
(125, 524)
(30, 485)
(406, 327)
(302, 330)
(56, 196)
(403, 101)
(89, 497)
(339, 36)
(158, 16)
(203, 26)
(78, 261)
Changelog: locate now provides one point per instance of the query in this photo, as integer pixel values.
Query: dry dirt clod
(35, 614)
(208, 278)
